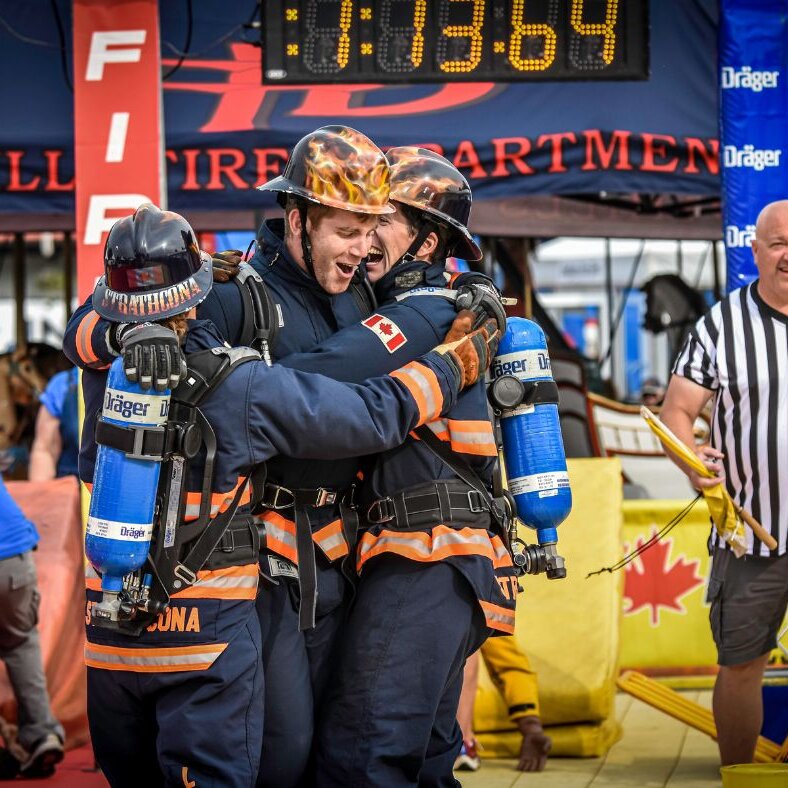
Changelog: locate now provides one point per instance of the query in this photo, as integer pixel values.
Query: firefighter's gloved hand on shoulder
(226, 264)
(151, 355)
(477, 293)
(470, 351)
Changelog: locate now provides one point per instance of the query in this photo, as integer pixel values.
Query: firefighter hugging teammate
(382, 565)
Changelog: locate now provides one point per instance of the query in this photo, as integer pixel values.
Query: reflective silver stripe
(439, 425)
(417, 374)
(192, 510)
(275, 532)
(444, 292)
(329, 543)
(497, 616)
(439, 542)
(480, 438)
(501, 552)
(479, 538)
(91, 573)
(238, 581)
(185, 658)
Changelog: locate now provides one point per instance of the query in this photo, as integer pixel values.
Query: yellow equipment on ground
(671, 702)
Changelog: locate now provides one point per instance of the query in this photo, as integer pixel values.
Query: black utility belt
(276, 496)
(429, 504)
(239, 545)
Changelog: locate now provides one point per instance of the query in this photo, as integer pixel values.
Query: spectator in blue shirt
(40, 734)
(56, 443)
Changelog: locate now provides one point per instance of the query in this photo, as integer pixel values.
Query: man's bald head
(770, 250)
(776, 211)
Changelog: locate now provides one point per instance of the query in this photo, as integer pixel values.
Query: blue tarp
(225, 132)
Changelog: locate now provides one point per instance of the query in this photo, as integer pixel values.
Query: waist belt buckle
(227, 545)
(385, 510)
(476, 502)
(325, 496)
(278, 491)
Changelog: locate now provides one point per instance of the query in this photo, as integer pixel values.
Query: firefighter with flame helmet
(435, 577)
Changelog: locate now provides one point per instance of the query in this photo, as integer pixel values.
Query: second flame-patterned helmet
(430, 183)
(338, 167)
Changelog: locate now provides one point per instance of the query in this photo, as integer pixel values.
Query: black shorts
(748, 598)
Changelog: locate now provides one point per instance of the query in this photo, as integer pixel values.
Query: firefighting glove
(470, 356)
(478, 293)
(226, 264)
(151, 355)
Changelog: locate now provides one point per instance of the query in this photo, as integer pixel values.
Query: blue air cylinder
(120, 522)
(532, 445)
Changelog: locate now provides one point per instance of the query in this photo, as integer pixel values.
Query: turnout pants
(298, 666)
(389, 717)
(199, 728)
(20, 649)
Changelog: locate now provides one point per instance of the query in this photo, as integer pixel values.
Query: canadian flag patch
(387, 331)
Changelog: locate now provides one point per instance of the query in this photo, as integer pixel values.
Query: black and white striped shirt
(739, 350)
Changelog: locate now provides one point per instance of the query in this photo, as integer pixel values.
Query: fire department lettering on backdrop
(117, 121)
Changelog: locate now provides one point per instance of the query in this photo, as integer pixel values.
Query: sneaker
(43, 758)
(468, 760)
(9, 765)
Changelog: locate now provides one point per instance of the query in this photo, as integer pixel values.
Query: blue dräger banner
(754, 115)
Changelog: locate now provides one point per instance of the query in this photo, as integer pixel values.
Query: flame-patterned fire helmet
(339, 167)
(426, 181)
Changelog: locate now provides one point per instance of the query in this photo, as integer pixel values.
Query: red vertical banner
(118, 121)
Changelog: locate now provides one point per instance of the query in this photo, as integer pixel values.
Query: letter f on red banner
(118, 121)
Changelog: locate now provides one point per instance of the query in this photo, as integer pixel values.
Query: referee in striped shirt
(738, 354)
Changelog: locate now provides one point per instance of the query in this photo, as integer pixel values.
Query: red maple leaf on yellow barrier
(653, 581)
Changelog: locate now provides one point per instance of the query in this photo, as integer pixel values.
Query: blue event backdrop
(225, 132)
(754, 118)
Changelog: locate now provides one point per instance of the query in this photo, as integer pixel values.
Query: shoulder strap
(207, 369)
(363, 294)
(500, 511)
(260, 318)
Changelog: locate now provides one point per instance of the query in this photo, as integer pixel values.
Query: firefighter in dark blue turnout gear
(181, 703)
(335, 184)
(435, 575)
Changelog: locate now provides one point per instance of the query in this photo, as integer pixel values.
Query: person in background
(39, 734)
(56, 443)
(513, 677)
(736, 355)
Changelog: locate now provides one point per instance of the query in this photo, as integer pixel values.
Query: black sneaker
(43, 758)
(9, 766)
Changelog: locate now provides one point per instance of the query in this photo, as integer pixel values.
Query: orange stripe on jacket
(500, 618)
(436, 545)
(331, 540)
(233, 582)
(84, 339)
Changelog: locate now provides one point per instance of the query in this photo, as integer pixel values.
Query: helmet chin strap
(306, 243)
(421, 237)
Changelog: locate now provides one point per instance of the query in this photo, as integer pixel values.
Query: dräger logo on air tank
(136, 408)
(751, 157)
(738, 238)
(154, 303)
(526, 364)
(745, 77)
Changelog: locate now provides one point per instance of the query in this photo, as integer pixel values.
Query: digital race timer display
(311, 41)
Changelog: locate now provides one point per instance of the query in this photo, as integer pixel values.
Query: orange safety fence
(54, 508)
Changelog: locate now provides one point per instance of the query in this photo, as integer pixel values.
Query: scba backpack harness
(179, 550)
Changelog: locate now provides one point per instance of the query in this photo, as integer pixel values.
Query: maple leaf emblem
(385, 328)
(653, 581)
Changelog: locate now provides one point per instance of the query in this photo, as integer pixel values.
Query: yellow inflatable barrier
(570, 628)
